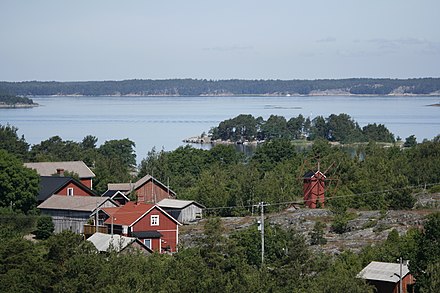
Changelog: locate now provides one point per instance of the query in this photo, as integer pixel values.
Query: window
(155, 220)
(147, 243)
(70, 191)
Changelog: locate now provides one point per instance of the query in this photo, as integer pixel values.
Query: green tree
(295, 126)
(342, 128)
(428, 254)
(377, 132)
(45, 227)
(410, 141)
(317, 234)
(121, 150)
(19, 185)
(55, 149)
(10, 142)
(274, 128)
(318, 128)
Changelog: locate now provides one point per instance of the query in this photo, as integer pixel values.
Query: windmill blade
(331, 165)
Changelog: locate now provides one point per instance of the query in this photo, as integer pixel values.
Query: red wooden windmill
(314, 187)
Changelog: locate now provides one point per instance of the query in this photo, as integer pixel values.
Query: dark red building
(314, 189)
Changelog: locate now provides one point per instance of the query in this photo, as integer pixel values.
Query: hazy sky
(291, 39)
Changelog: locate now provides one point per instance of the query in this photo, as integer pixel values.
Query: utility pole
(400, 283)
(261, 228)
(262, 233)
(96, 218)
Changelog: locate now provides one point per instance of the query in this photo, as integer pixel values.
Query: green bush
(45, 227)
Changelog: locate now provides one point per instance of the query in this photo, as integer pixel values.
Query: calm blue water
(163, 122)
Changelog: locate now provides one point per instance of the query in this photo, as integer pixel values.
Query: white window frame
(148, 241)
(154, 220)
(70, 191)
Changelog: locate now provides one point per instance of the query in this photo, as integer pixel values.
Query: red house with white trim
(67, 186)
(147, 222)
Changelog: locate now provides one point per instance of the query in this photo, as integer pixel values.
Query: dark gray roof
(49, 185)
(146, 234)
(310, 174)
(109, 193)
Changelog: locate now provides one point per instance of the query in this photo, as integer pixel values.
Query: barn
(72, 212)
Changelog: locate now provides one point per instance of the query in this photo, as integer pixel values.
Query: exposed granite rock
(367, 227)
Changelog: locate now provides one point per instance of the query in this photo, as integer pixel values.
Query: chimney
(60, 172)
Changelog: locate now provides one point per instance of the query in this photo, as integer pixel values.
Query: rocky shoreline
(18, 106)
(208, 140)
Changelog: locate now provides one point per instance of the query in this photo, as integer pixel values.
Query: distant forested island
(13, 101)
(231, 87)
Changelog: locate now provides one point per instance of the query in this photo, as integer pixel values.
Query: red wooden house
(147, 222)
(67, 186)
(313, 189)
(147, 189)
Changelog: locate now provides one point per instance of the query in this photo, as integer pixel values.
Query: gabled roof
(177, 203)
(124, 187)
(129, 186)
(103, 242)
(114, 193)
(383, 271)
(50, 168)
(75, 203)
(311, 174)
(50, 185)
(131, 213)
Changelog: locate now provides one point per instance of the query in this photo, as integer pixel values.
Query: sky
(218, 39)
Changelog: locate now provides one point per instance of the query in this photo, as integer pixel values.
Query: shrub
(45, 227)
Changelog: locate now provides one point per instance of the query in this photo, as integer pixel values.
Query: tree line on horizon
(197, 87)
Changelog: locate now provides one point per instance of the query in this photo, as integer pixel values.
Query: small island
(12, 102)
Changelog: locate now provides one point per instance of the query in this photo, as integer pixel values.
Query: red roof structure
(127, 214)
(157, 229)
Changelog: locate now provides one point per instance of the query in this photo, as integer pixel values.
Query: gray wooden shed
(184, 211)
(72, 212)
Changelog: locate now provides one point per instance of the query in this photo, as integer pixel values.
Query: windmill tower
(314, 187)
